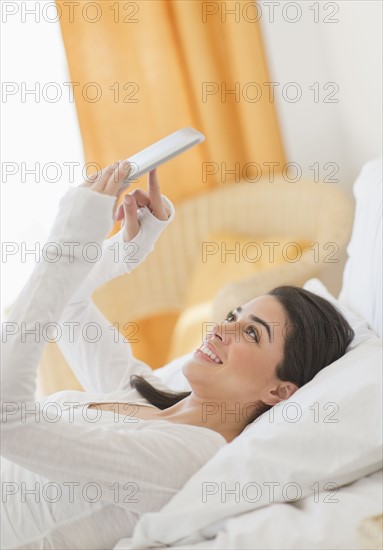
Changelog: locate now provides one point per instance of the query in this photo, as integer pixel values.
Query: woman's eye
(230, 317)
(249, 329)
(253, 333)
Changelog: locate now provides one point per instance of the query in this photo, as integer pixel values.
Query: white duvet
(305, 525)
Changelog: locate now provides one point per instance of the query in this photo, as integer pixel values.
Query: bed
(309, 475)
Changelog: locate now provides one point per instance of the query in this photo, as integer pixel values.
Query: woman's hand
(127, 211)
(108, 181)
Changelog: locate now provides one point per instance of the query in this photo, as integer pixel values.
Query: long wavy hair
(317, 335)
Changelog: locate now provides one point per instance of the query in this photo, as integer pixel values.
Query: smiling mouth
(209, 354)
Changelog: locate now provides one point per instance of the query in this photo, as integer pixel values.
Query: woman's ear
(279, 393)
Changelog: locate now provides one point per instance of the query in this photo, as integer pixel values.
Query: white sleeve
(35, 314)
(117, 257)
(96, 351)
(157, 457)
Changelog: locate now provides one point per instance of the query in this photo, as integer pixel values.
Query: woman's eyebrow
(257, 320)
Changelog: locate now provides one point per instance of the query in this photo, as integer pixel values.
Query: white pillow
(362, 276)
(171, 374)
(329, 431)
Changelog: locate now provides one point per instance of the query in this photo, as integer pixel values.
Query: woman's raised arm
(109, 457)
(102, 359)
(84, 218)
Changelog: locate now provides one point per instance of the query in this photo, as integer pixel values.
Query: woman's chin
(198, 366)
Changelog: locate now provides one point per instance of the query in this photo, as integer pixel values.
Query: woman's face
(238, 359)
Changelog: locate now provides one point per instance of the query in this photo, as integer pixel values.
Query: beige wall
(348, 53)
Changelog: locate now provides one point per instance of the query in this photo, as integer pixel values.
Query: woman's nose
(227, 331)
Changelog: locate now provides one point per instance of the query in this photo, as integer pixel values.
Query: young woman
(79, 468)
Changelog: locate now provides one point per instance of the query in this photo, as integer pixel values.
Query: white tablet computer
(162, 151)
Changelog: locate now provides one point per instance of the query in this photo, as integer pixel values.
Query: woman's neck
(219, 417)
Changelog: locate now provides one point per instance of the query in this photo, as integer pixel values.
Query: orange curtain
(144, 69)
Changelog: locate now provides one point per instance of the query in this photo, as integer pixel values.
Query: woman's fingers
(116, 177)
(109, 180)
(156, 204)
(142, 198)
(126, 212)
(131, 224)
(119, 215)
(97, 180)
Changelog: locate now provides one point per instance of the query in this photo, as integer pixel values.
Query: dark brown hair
(317, 335)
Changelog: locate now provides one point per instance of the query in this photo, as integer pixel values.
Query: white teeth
(212, 355)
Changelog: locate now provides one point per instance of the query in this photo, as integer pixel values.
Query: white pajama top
(74, 477)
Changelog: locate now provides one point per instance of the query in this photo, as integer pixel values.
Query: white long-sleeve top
(73, 477)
